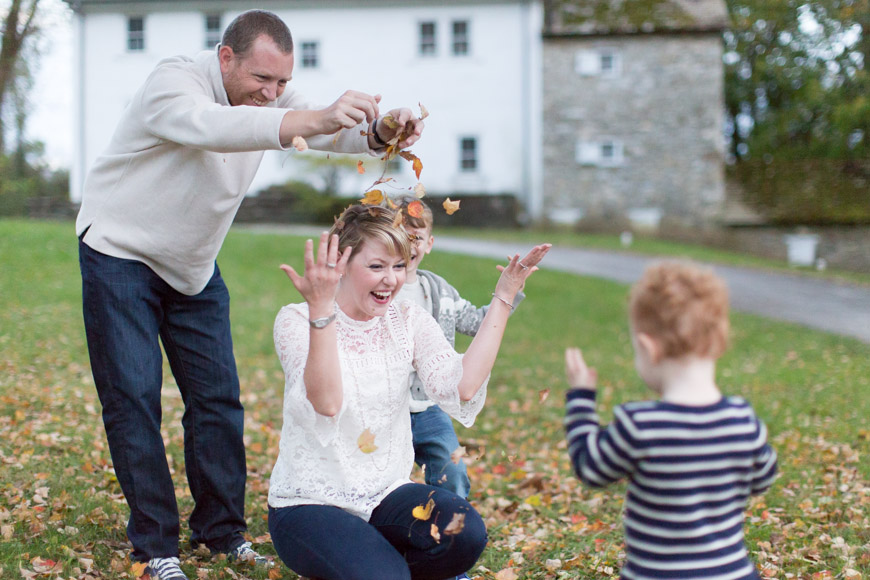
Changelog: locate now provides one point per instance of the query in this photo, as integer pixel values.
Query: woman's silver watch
(322, 322)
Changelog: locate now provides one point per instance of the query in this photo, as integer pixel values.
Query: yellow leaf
(423, 111)
(390, 122)
(533, 500)
(418, 166)
(433, 530)
(373, 197)
(451, 207)
(366, 442)
(424, 512)
(138, 568)
(299, 143)
(456, 525)
(359, 167)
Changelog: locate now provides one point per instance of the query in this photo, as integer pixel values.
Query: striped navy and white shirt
(690, 471)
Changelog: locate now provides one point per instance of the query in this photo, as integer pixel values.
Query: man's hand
(580, 376)
(403, 124)
(348, 111)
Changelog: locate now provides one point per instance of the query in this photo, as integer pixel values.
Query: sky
(51, 119)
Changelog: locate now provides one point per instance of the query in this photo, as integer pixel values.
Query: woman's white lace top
(321, 459)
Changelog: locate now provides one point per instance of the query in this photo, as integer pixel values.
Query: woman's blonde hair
(683, 306)
(359, 224)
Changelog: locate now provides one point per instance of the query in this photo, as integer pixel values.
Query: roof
(598, 17)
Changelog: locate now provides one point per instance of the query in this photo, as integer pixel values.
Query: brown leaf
(456, 525)
(359, 167)
(451, 207)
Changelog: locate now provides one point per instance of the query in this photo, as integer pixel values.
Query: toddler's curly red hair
(684, 306)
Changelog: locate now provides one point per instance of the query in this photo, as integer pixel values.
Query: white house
(475, 65)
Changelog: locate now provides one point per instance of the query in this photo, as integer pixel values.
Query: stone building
(633, 101)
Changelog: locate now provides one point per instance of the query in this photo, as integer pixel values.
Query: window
(135, 33)
(604, 153)
(310, 54)
(604, 62)
(468, 154)
(427, 39)
(212, 30)
(460, 37)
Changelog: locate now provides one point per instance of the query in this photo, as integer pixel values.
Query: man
(155, 210)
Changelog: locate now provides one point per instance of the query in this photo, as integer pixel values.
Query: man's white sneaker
(165, 569)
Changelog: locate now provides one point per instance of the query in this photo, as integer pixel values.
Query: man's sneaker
(165, 569)
(244, 553)
(463, 577)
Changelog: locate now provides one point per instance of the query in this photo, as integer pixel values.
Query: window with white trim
(601, 153)
(135, 33)
(213, 30)
(427, 38)
(310, 54)
(468, 154)
(460, 37)
(602, 62)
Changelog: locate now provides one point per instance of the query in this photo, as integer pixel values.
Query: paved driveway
(836, 307)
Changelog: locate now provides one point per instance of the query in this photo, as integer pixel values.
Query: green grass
(59, 499)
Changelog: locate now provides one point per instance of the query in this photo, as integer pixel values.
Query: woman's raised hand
(513, 276)
(319, 283)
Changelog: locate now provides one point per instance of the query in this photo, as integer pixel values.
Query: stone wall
(665, 106)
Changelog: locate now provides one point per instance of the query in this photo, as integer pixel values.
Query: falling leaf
(423, 111)
(415, 209)
(451, 207)
(433, 531)
(373, 197)
(299, 143)
(424, 512)
(419, 190)
(389, 121)
(366, 442)
(456, 525)
(359, 167)
(543, 394)
(457, 454)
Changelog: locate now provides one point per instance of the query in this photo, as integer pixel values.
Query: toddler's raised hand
(580, 376)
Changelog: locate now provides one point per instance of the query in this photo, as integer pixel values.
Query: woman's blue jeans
(128, 311)
(328, 543)
(434, 443)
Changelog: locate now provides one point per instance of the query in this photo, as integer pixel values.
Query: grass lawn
(62, 514)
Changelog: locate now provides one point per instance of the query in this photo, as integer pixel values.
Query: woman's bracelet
(497, 297)
(374, 127)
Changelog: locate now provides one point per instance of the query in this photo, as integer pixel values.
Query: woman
(341, 504)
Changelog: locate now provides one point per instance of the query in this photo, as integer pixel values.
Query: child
(435, 440)
(693, 457)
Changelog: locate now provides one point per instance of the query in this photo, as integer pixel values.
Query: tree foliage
(19, 26)
(797, 82)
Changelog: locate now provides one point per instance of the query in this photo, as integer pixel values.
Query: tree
(18, 27)
(796, 78)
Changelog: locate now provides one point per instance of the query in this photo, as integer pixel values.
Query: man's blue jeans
(328, 543)
(127, 307)
(434, 443)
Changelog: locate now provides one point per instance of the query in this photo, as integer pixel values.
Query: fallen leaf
(299, 143)
(138, 569)
(506, 574)
(543, 394)
(456, 525)
(424, 512)
(366, 442)
(433, 530)
(451, 207)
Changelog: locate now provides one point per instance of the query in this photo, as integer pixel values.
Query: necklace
(368, 427)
